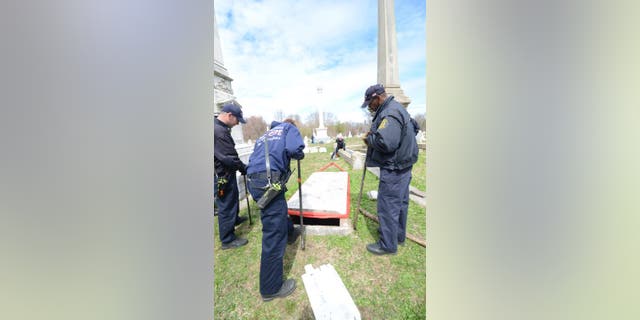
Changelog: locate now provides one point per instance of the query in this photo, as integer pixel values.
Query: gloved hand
(366, 142)
(243, 170)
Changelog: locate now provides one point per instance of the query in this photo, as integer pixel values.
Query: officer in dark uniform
(392, 146)
(283, 142)
(227, 162)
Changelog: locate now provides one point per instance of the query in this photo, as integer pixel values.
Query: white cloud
(279, 52)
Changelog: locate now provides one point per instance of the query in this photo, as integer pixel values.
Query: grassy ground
(382, 287)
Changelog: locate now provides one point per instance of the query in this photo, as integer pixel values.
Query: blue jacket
(225, 156)
(284, 143)
(392, 139)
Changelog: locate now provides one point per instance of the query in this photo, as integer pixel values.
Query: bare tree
(295, 118)
(329, 118)
(254, 128)
(311, 120)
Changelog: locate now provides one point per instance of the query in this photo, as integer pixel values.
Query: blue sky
(279, 52)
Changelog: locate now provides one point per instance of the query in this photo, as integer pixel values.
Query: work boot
(288, 287)
(376, 249)
(291, 238)
(240, 220)
(238, 242)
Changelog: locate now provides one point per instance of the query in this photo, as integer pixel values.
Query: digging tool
(301, 214)
(364, 171)
(246, 196)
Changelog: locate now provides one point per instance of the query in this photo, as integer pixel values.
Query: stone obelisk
(388, 72)
(321, 130)
(222, 90)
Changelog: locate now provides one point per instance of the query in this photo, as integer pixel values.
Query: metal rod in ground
(364, 171)
(301, 214)
(409, 236)
(246, 196)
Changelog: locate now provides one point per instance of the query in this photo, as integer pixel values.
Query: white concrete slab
(323, 192)
(328, 296)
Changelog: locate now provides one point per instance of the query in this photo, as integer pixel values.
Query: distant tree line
(256, 125)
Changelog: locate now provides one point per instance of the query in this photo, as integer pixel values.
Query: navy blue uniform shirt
(392, 141)
(284, 142)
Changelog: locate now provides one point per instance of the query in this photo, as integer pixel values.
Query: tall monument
(321, 130)
(388, 72)
(222, 91)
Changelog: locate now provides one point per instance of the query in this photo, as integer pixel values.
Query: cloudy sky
(280, 51)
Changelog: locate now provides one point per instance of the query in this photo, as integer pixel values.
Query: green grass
(382, 287)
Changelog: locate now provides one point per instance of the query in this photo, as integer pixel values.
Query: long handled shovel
(364, 171)
(246, 196)
(300, 198)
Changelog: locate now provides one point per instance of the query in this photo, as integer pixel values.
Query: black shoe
(291, 238)
(288, 287)
(377, 250)
(240, 220)
(238, 242)
(401, 243)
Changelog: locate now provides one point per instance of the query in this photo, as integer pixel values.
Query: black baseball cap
(234, 108)
(371, 92)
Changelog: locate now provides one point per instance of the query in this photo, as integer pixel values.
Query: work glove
(365, 138)
(243, 170)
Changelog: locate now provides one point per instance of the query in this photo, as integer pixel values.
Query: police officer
(227, 162)
(283, 142)
(392, 146)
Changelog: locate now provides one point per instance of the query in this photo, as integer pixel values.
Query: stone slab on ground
(328, 296)
(354, 158)
(324, 195)
(416, 195)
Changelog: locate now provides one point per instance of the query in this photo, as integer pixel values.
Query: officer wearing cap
(283, 142)
(226, 163)
(392, 146)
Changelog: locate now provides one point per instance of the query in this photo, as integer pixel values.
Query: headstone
(244, 151)
(358, 160)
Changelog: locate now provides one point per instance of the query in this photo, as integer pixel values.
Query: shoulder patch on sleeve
(382, 124)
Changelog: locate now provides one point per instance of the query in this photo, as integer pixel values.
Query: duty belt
(275, 175)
